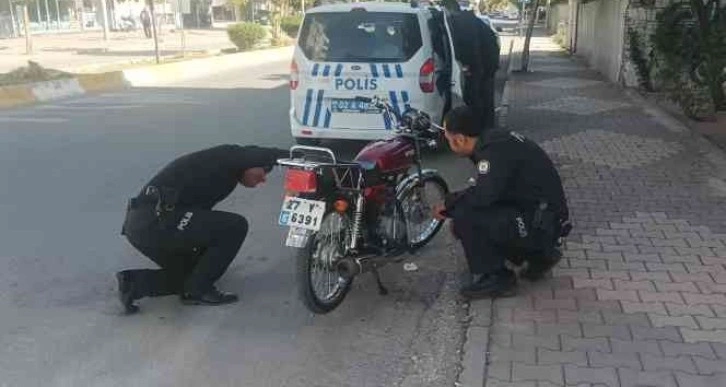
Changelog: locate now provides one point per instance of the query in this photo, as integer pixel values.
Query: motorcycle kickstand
(381, 289)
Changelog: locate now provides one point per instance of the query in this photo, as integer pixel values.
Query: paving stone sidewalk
(640, 298)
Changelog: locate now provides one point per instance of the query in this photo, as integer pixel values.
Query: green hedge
(246, 35)
(291, 25)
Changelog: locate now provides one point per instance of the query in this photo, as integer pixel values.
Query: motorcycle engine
(391, 231)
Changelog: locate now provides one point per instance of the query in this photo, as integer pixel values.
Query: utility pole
(528, 36)
(57, 13)
(104, 12)
(547, 16)
(47, 15)
(13, 19)
(156, 36)
(26, 22)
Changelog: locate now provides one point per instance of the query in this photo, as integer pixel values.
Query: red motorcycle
(352, 217)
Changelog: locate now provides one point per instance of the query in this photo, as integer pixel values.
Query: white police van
(395, 50)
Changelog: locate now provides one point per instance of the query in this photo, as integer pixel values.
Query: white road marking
(48, 120)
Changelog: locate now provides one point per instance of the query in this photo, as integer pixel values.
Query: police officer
(517, 209)
(476, 48)
(172, 223)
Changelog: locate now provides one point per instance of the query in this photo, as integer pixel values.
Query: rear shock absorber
(357, 221)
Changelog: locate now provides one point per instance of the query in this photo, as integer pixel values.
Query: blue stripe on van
(326, 124)
(338, 70)
(399, 71)
(387, 121)
(316, 68)
(326, 70)
(394, 102)
(306, 109)
(406, 100)
(386, 71)
(318, 106)
(374, 70)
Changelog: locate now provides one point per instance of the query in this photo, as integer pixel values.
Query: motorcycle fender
(412, 180)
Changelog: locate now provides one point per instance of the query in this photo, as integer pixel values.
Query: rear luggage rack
(347, 175)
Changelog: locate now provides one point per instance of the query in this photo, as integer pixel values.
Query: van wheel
(307, 141)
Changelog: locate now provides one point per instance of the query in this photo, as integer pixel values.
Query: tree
(690, 41)
(279, 10)
(240, 6)
(26, 25)
(528, 38)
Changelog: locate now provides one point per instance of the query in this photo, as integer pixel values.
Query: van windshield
(360, 37)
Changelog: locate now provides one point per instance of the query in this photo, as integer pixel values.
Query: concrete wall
(559, 21)
(600, 34)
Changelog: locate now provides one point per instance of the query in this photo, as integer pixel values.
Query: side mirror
(499, 29)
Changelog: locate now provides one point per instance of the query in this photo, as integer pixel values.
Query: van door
(457, 92)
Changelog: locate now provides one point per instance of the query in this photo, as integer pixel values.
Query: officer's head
(252, 177)
(462, 130)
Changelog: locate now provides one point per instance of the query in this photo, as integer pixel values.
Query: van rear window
(360, 37)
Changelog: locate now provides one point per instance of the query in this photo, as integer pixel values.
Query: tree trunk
(528, 36)
(28, 37)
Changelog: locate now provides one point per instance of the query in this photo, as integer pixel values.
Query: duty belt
(164, 199)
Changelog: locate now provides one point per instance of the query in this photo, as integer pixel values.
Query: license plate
(298, 237)
(302, 213)
(352, 106)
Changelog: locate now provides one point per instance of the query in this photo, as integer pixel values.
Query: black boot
(212, 297)
(126, 292)
(538, 267)
(501, 284)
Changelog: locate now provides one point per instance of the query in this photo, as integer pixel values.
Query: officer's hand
(439, 212)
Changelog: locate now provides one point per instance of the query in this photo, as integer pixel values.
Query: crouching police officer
(172, 223)
(517, 210)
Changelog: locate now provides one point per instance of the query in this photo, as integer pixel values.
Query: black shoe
(212, 297)
(502, 284)
(126, 292)
(539, 267)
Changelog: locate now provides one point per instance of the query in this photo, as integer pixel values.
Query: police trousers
(490, 237)
(487, 102)
(193, 248)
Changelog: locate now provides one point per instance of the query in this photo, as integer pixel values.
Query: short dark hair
(463, 120)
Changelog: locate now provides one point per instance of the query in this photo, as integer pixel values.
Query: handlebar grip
(364, 99)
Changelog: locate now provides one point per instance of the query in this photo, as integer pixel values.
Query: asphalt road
(68, 169)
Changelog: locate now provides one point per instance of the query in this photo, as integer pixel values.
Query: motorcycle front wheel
(320, 287)
(418, 202)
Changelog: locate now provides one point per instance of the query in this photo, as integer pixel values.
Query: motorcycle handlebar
(433, 129)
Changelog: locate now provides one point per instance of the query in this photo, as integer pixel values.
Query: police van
(399, 51)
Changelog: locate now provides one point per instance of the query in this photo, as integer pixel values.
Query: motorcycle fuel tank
(394, 155)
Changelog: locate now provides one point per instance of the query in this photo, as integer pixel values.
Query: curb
(475, 351)
(27, 94)
(198, 68)
(154, 75)
(503, 108)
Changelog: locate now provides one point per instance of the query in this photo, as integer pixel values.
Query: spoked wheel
(418, 202)
(321, 288)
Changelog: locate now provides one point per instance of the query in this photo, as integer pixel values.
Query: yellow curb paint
(16, 95)
(102, 82)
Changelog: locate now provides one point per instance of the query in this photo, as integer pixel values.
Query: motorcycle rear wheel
(316, 263)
